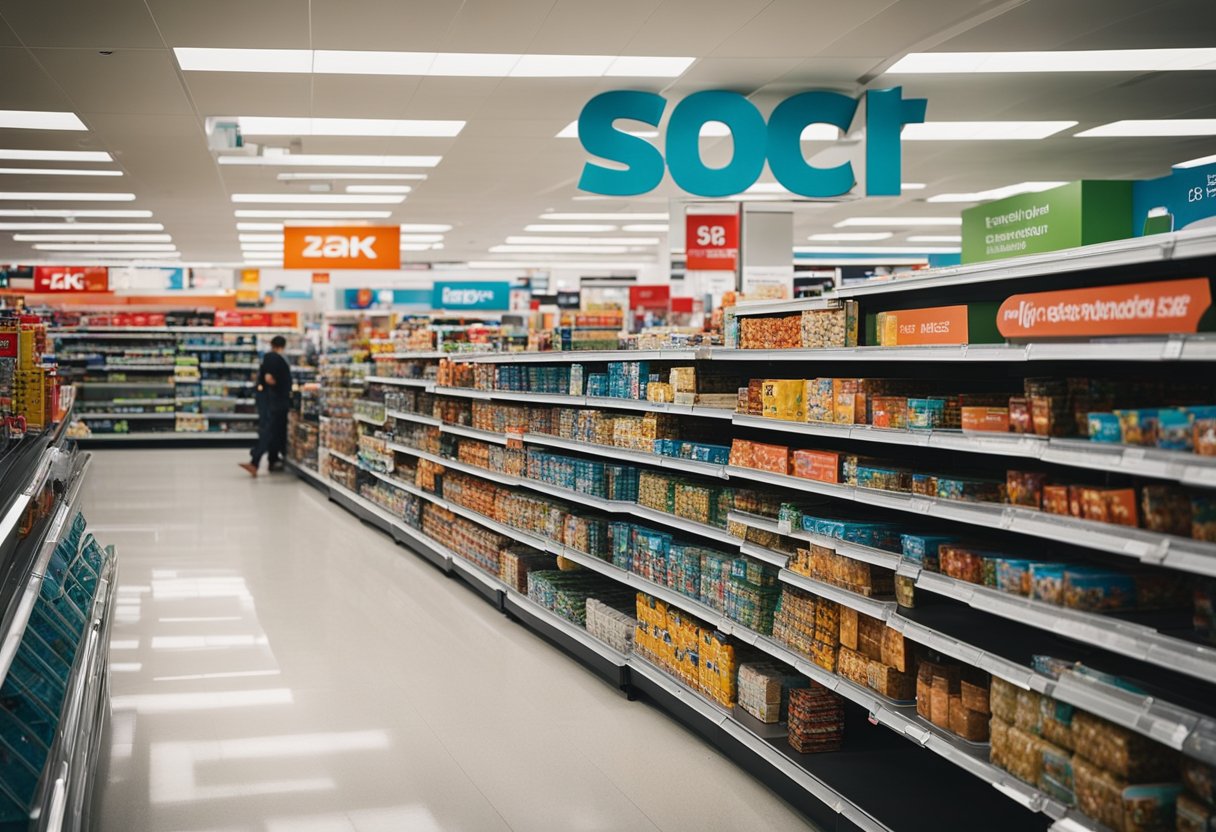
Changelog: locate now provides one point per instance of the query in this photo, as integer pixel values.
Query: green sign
(1076, 214)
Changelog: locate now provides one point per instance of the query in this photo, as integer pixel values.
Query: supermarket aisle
(279, 667)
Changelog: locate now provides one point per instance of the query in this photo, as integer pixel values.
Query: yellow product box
(783, 399)
(888, 329)
(658, 391)
(684, 379)
(820, 404)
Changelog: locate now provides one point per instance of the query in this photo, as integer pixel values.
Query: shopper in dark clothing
(273, 401)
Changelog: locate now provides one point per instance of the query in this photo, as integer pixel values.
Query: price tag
(921, 506)
(1172, 350)
(784, 526)
(1134, 454)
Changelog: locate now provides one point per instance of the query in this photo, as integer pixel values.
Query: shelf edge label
(1159, 308)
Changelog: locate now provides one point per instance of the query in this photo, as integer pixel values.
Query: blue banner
(485, 295)
(1184, 198)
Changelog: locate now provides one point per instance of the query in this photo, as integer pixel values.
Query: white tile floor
(280, 667)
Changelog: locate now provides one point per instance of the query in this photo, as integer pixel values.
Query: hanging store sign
(71, 279)
(649, 297)
(711, 242)
(1161, 308)
(640, 165)
(340, 247)
(485, 295)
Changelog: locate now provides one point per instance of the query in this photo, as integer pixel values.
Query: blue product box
(1104, 427)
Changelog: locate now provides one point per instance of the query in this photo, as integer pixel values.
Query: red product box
(986, 419)
(823, 466)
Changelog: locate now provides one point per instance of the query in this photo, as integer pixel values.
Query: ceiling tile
(798, 29)
(580, 27)
(365, 96)
(691, 27)
(96, 24)
(266, 24)
(416, 26)
(245, 93)
(26, 85)
(495, 26)
(129, 81)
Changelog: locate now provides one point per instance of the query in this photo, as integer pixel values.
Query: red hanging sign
(649, 297)
(71, 279)
(711, 242)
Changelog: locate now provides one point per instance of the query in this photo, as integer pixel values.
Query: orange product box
(1121, 506)
(742, 453)
(986, 419)
(823, 466)
(1055, 499)
(774, 458)
(889, 412)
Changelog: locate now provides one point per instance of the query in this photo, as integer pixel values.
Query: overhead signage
(1186, 197)
(649, 297)
(569, 300)
(1076, 214)
(320, 278)
(711, 242)
(936, 325)
(1160, 308)
(639, 165)
(71, 279)
(485, 295)
(342, 247)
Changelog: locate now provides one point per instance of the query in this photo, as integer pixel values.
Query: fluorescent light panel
(57, 172)
(92, 238)
(39, 120)
(521, 262)
(573, 228)
(72, 213)
(13, 155)
(292, 176)
(432, 64)
(378, 189)
(1194, 163)
(422, 238)
(260, 226)
(321, 199)
(310, 126)
(262, 246)
(426, 227)
(81, 226)
(935, 238)
(326, 160)
(261, 238)
(553, 249)
(64, 196)
(997, 193)
(957, 131)
(258, 213)
(653, 228)
(1153, 127)
(661, 215)
(105, 247)
(852, 236)
(607, 241)
(570, 131)
(876, 250)
(1092, 60)
(897, 222)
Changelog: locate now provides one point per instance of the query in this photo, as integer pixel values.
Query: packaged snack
(1013, 576)
(968, 724)
(823, 466)
(848, 627)
(1139, 426)
(1175, 431)
(924, 484)
(1028, 712)
(854, 666)
(1203, 518)
(890, 682)
(924, 549)
(1025, 488)
(969, 490)
(889, 412)
(1193, 815)
(1055, 499)
(1167, 509)
(975, 694)
(962, 563)
(896, 653)
(905, 591)
(1003, 699)
(783, 399)
(1098, 590)
(816, 719)
(1203, 430)
(1120, 751)
(819, 404)
(869, 636)
(1055, 722)
(1199, 778)
(1047, 582)
(926, 414)
(1019, 416)
(1104, 427)
(774, 458)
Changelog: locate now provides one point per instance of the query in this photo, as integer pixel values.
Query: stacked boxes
(764, 690)
(816, 720)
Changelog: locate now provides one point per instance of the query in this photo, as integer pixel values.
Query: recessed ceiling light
(898, 222)
(426, 227)
(64, 196)
(658, 227)
(433, 64)
(422, 238)
(81, 226)
(560, 249)
(39, 120)
(607, 241)
(259, 214)
(262, 246)
(1153, 127)
(416, 246)
(530, 262)
(325, 160)
(92, 238)
(310, 126)
(853, 236)
(261, 238)
(72, 213)
(960, 131)
(378, 189)
(99, 258)
(876, 250)
(292, 176)
(57, 172)
(243, 60)
(997, 193)
(621, 215)
(320, 199)
(55, 156)
(912, 186)
(105, 247)
(260, 226)
(935, 238)
(1194, 163)
(573, 228)
(1090, 60)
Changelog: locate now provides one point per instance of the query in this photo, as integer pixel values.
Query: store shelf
(659, 407)
(779, 307)
(1146, 546)
(367, 420)
(139, 368)
(228, 365)
(109, 331)
(347, 458)
(707, 469)
(866, 554)
(572, 356)
(218, 347)
(86, 416)
(129, 385)
(414, 417)
(583, 401)
(1173, 348)
(474, 433)
(172, 436)
(401, 382)
(225, 416)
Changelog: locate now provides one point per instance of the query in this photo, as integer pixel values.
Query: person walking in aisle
(273, 402)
